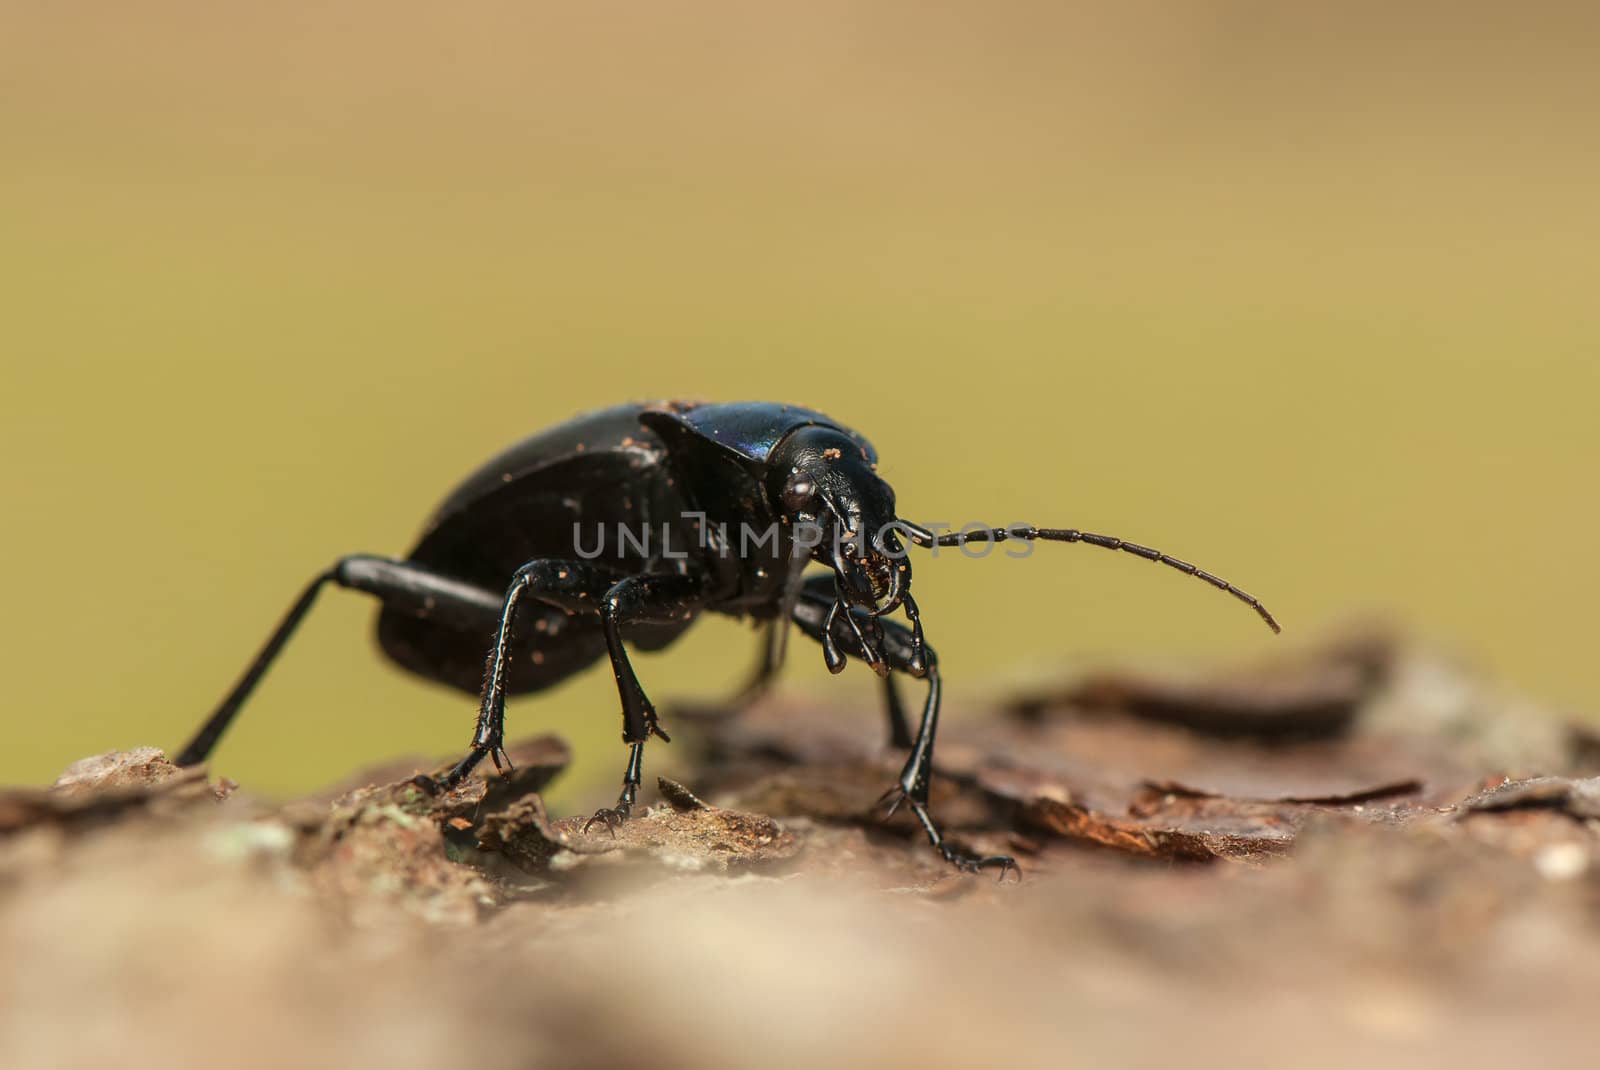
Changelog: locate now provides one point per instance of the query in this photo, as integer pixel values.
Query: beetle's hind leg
(398, 584)
(578, 586)
(900, 651)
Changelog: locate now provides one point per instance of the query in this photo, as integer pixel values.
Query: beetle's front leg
(645, 599)
(902, 654)
(816, 595)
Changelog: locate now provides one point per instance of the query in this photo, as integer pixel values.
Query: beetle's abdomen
(543, 498)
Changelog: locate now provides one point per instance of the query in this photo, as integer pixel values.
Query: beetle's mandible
(627, 523)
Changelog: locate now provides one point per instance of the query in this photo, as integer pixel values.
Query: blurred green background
(1306, 294)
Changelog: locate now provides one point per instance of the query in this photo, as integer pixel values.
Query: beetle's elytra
(627, 523)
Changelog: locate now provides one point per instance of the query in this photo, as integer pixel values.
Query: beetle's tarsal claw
(426, 784)
(971, 863)
(502, 761)
(611, 817)
(965, 861)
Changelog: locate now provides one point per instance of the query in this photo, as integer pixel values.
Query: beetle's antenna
(926, 538)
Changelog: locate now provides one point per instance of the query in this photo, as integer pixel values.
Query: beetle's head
(823, 484)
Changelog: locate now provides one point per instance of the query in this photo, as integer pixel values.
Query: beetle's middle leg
(644, 599)
(578, 586)
(403, 585)
(757, 683)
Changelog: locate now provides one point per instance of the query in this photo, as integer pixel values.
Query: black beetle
(717, 507)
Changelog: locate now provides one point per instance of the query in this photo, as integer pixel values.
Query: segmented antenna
(924, 537)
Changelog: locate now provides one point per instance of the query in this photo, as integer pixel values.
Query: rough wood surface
(1359, 852)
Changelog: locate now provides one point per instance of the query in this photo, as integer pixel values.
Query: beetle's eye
(798, 494)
